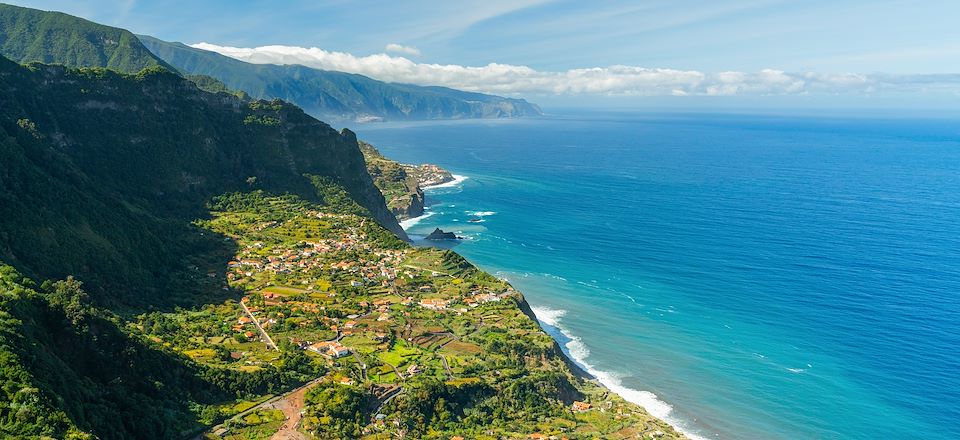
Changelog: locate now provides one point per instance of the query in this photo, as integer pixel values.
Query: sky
(570, 51)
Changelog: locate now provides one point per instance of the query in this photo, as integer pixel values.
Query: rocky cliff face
(103, 172)
(401, 184)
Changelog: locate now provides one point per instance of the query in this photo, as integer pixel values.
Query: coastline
(573, 350)
(457, 179)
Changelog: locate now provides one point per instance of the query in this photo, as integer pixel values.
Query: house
(579, 406)
(487, 297)
(413, 369)
(349, 324)
(434, 304)
(319, 347)
(356, 284)
(248, 334)
(380, 337)
(338, 351)
(329, 348)
(345, 381)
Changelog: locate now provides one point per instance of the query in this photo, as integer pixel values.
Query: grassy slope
(29, 35)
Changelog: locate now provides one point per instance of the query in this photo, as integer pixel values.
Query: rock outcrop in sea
(438, 234)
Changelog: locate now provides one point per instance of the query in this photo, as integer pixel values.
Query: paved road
(446, 367)
(259, 328)
(393, 393)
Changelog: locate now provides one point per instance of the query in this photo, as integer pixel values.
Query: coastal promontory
(402, 184)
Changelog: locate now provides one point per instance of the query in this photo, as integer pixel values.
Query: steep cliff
(103, 172)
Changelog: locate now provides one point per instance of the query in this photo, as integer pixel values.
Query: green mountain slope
(338, 95)
(103, 173)
(29, 35)
(69, 370)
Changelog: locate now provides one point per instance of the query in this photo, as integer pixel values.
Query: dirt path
(291, 405)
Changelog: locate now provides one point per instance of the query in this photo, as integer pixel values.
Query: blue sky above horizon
(545, 48)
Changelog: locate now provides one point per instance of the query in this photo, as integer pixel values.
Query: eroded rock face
(103, 172)
(402, 184)
(438, 234)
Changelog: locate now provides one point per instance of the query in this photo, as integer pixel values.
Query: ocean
(741, 276)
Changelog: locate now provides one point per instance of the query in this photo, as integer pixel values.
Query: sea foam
(411, 222)
(457, 179)
(480, 213)
(574, 347)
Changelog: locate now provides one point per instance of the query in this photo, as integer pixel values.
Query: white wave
(547, 316)
(556, 277)
(578, 352)
(457, 179)
(411, 222)
(480, 213)
(796, 370)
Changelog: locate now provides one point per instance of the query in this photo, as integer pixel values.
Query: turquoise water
(751, 277)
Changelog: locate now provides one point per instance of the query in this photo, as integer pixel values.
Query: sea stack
(438, 234)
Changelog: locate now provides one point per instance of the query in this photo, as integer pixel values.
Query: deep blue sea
(742, 276)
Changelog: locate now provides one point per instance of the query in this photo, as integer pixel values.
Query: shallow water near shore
(741, 276)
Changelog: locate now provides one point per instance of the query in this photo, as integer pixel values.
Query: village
(377, 274)
(336, 301)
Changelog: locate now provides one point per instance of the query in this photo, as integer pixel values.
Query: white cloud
(399, 48)
(611, 80)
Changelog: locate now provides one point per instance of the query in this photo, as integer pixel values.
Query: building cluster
(332, 349)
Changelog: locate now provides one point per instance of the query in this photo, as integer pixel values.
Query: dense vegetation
(400, 188)
(73, 141)
(68, 369)
(28, 35)
(336, 95)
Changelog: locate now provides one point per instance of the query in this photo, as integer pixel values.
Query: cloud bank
(620, 80)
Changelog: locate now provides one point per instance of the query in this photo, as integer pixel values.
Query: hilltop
(30, 35)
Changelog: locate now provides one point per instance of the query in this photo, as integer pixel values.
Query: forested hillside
(29, 35)
(104, 172)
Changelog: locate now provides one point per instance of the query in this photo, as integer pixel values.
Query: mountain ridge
(49, 37)
(338, 95)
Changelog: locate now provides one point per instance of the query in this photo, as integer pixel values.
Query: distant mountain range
(29, 35)
(338, 95)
